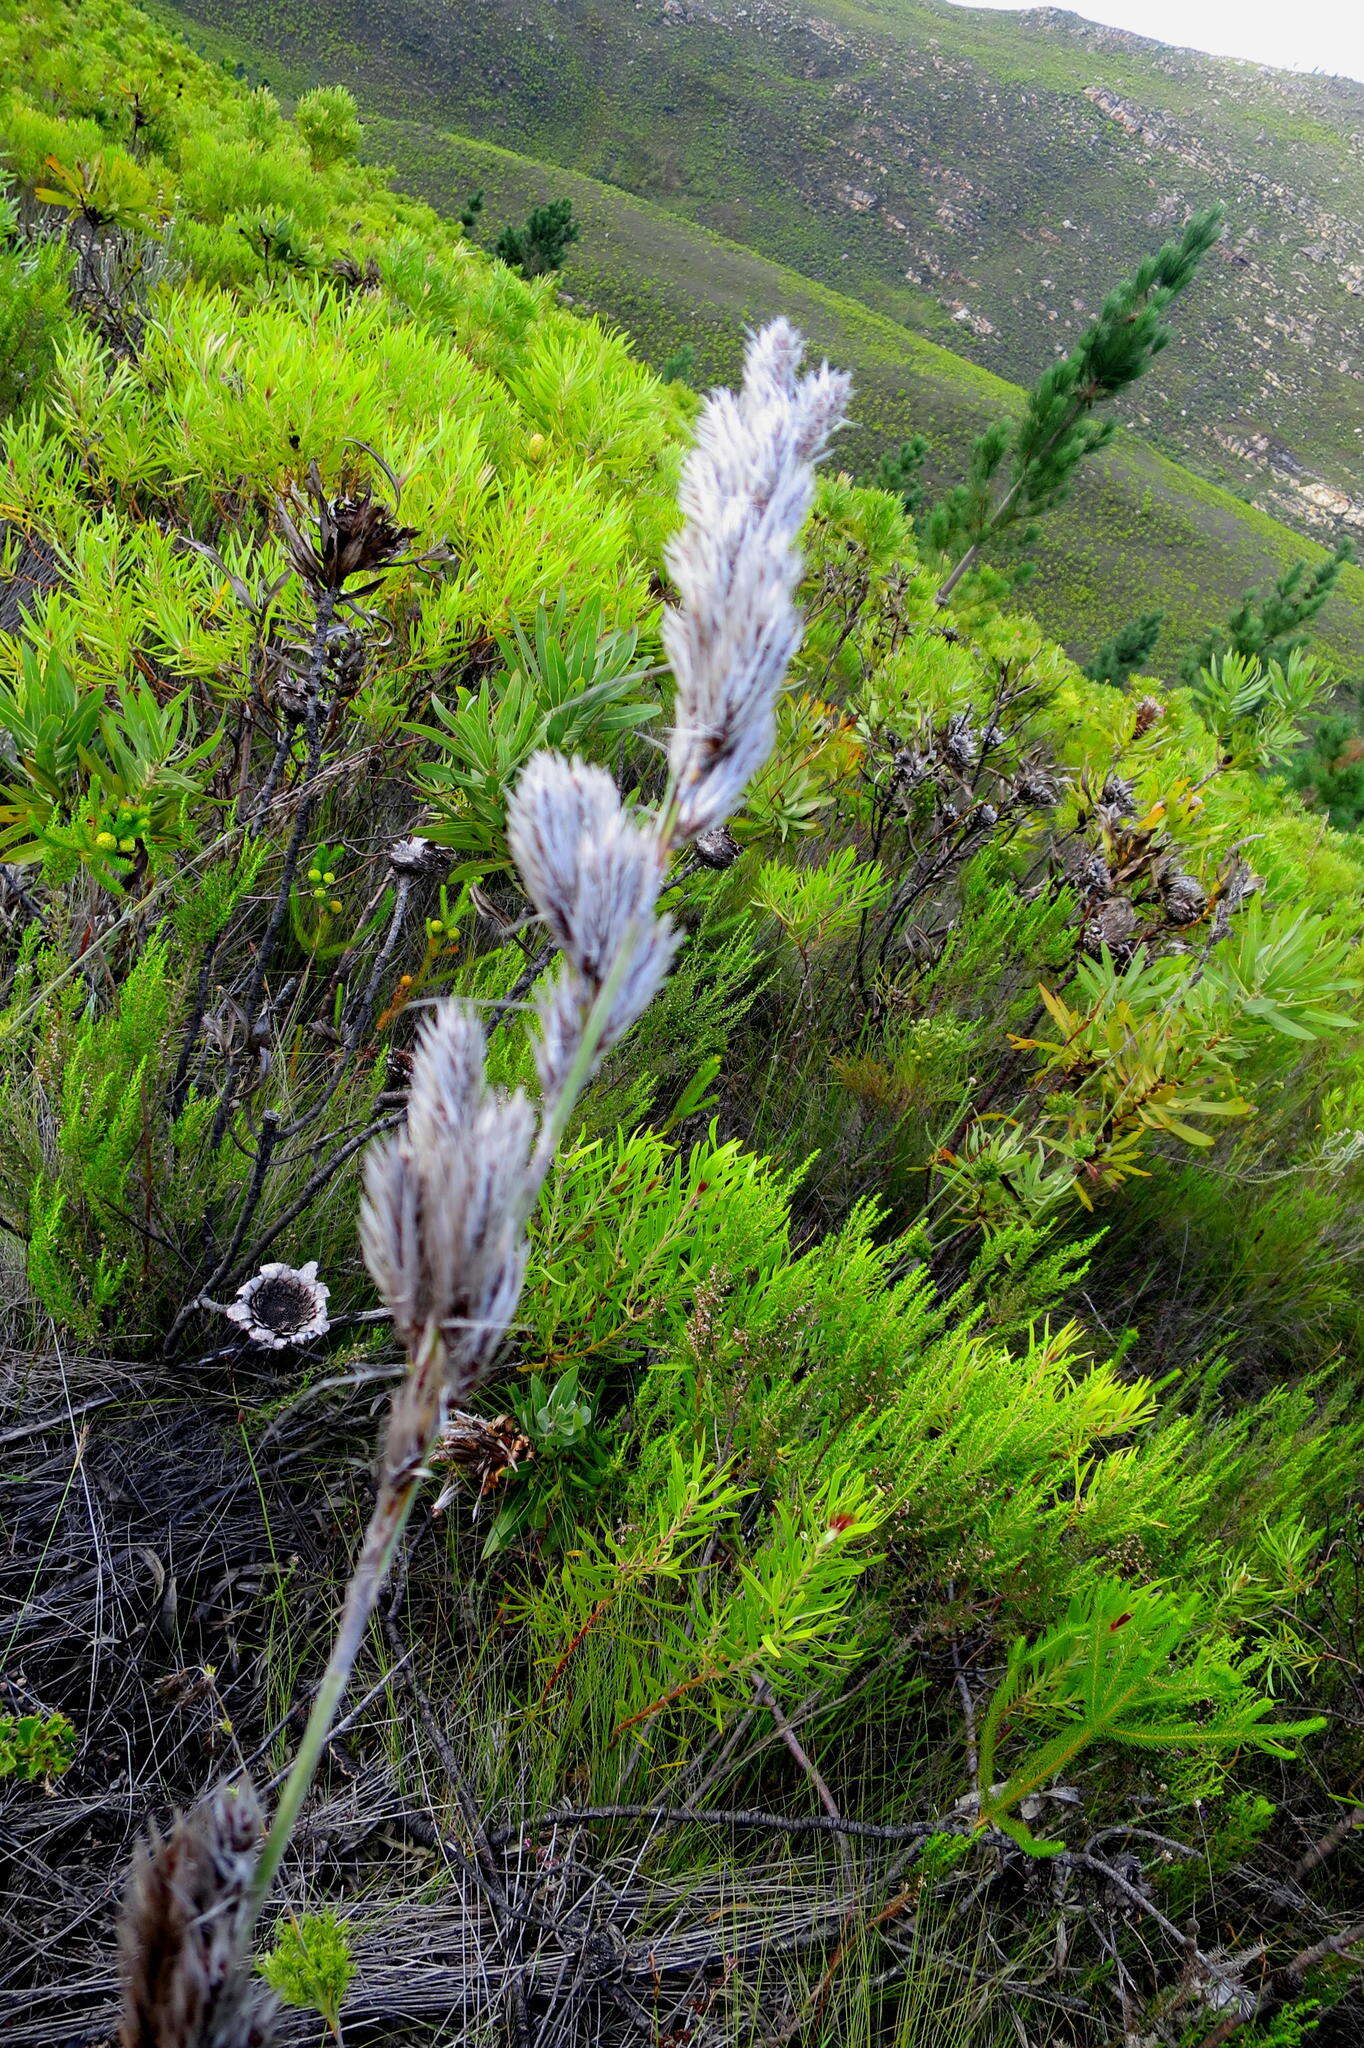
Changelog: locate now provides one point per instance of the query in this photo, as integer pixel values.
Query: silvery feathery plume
(447, 1199)
(184, 1929)
(593, 874)
(746, 488)
(443, 1228)
(442, 1224)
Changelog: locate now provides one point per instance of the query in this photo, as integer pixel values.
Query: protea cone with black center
(183, 1933)
(717, 848)
(417, 856)
(282, 1305)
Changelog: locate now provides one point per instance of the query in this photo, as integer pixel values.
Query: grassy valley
(1142, 531)
(982, 178)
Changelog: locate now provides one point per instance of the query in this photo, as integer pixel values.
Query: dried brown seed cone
(1185, 898)
(1113, 925)
(717, 848)
(184, 1929)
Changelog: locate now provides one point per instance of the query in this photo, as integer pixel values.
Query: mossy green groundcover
(900, 1579)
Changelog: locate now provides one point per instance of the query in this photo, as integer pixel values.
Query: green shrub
(329, 122)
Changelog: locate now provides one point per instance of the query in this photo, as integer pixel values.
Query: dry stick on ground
(1080, 1859)
(1329, 1843)
(763, 1693)
(730, 1817)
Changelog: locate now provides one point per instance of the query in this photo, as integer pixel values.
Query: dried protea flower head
(1036, 789)
(184, 1930)
(911, 766)
(446, 1200)
(717, 848)
(353, 534)
(417, 856)
(958, 740)
(1185, 898)
(282, 1305)
(594, 876)
(747, 486)
(1112, 927)
(485, 1452)
(1149, 710)
(1085, 870)
(354, 276)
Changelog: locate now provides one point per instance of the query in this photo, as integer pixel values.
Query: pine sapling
(1058, 431)
(1269, 624)
(901, 472)
(1128, 652)
(543, 242)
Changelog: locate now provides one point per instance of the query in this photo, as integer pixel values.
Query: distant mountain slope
(982, 177)
(1141, 533)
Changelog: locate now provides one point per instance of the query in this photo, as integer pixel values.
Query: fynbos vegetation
(683, 1219)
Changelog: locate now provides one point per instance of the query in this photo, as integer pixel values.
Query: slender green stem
(416, 1416)
(412, 1430)
(381, 1540)
(560, 1110)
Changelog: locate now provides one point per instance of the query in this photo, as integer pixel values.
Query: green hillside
(1141, 533)
(681, 1233)
(982, 177)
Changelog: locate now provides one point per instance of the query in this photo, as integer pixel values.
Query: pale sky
(1304, 35)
